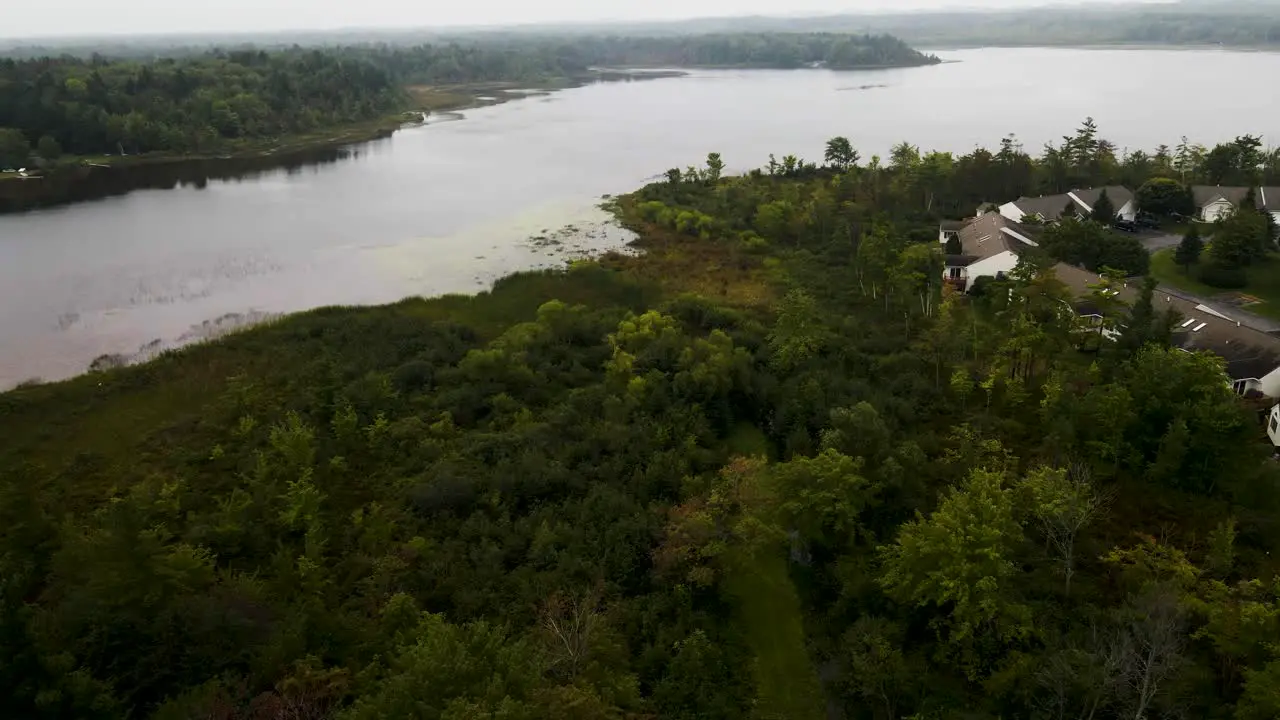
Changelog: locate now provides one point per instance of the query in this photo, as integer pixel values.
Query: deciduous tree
(960, 560)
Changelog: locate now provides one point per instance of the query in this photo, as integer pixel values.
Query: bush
(1227, 277)
(1165, 196)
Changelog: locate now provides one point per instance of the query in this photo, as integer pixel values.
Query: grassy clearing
(715, 269)
(1264, 282)
(748, 440)
(769, 614)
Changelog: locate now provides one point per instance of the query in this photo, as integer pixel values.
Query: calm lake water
(450, 206)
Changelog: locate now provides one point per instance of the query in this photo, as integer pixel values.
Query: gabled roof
(1249, 353)
(1049, 207)
(1117, 194)
(992, 234)
(1269, 199)
(1207, 194)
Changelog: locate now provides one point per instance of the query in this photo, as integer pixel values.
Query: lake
(451, 206)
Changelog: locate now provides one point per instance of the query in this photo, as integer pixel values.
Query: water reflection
(95, 182)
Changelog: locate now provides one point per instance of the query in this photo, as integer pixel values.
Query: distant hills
(1233, 23)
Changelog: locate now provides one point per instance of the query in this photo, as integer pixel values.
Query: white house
(1273, 427)
(949, 229)
(990, 246)
(1214, 201)
(1050, 208)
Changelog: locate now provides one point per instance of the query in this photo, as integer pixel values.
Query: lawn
(769, 613)
(1264, 282)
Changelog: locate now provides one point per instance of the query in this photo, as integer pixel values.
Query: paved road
(1155, 241)
(1244, 317)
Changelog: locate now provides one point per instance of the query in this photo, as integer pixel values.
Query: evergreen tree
(1188, 252)
(1069, 211)
(1141, 327)
(1104, 211)
(954, 246)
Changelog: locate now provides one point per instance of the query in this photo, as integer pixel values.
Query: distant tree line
(96, 106)
(197, 103)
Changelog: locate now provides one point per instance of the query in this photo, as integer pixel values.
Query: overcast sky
(26, 18)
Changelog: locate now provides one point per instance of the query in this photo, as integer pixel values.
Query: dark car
(1147, 220)
(1126, 226)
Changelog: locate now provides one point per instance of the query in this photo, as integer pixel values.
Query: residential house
(949, 229)
(1051, 208)
(1269, 201)
(990, 246)
(1252, 357)
(1214, 201)
(1273, 427)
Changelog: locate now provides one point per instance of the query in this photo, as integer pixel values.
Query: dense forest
(86, 106)
(771, 468)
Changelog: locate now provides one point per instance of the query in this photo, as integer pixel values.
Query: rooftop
(1049, 207)
(1249, 353)
(1206, 194)
(992, 234)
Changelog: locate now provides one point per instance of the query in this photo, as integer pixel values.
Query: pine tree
(1070, 210)
(1189, 250)
(1104, 211)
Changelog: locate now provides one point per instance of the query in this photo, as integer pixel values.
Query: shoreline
(55, 187)
(1200, 47)
(533, 244)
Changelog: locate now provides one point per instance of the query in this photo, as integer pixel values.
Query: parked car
(1126, 226)
(1147, 220)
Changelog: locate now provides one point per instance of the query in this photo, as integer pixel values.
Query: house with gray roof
(1252, 357)
(1051, 208)
(1214, 201)
(990, 246)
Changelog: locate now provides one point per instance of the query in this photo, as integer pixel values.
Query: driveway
(1155, 241)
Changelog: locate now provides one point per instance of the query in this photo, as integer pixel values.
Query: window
(1199, 327)
(1275, 423)
(1189, 323)
(955, 273)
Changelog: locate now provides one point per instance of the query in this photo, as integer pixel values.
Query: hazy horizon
(73, 18)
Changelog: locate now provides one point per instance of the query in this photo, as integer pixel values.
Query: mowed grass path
(1264, 282)
(768, 612)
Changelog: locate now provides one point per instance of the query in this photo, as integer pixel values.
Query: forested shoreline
(51, 106)
(771, 467)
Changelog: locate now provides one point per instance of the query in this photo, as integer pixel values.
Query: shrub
(1219, 275)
